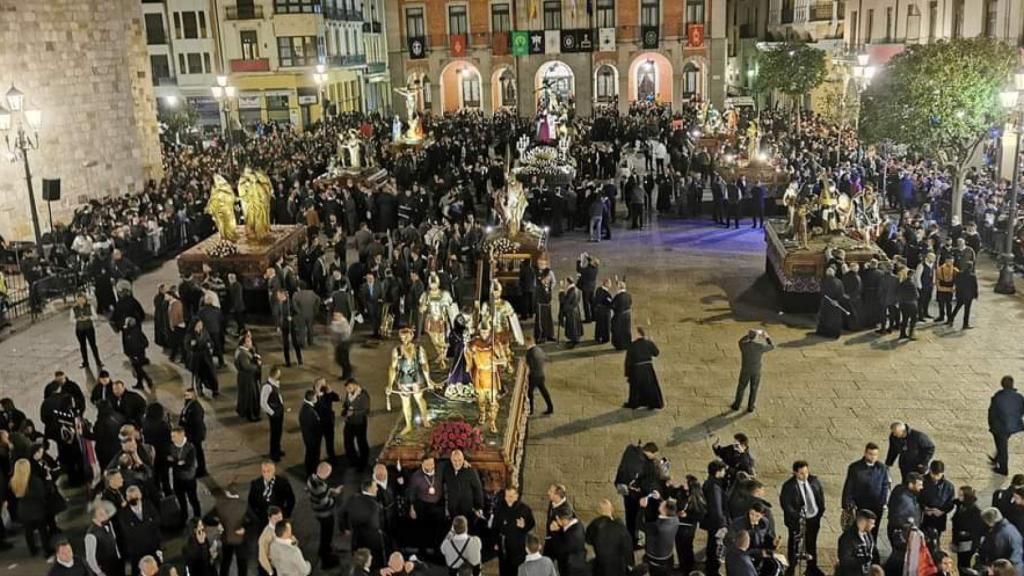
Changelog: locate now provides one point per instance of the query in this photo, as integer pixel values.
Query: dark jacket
(281, 495)
(714, 495)
(792, 500)
(866, 486)
(355, 411)
(613, 547)
(463, 490)
(915, 451)
(855, 553)
(1005, 412)
(309, 425)
(193, 420)
(362, 515)
(140, 534)
(570, 550)
(1001, 541)
(739, 563)
(903, 508)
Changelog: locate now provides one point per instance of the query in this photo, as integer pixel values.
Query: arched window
(469, 81)
(607, 88)
(508, 88)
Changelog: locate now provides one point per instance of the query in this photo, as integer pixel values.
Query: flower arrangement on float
(452, 435)
(222, 249)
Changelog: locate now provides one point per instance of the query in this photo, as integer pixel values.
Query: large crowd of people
(370, 252)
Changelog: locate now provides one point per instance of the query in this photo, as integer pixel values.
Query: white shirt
(265, 396)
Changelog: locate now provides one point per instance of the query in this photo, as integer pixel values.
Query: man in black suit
(462, 488)
(355, 408)
(511, 520)
(1005, 418)
(273, 406)
(803, 498)
(236, 302)
(558, 503)
(370, 299)
(570, 545)
(139, 527)
(284, 319)
(268, 490)
(913, 448)
(325, 399)
(193, 420)
(612, 544)
(361, 516)
(309, 425)
(856, 546)
(587, 267)
(184, 466)
(129, 403)
(716, 520)
(904, 509)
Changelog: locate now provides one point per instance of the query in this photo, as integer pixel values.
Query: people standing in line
(753, 346)
(536, 358)
(83, 317)
(1005, 418)
(355, 409)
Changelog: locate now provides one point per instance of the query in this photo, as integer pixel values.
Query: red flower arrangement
(454, 434)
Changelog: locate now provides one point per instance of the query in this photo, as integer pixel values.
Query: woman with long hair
(30, 491)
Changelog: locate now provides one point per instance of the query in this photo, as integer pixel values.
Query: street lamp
(19, 121)
(320, 77)
(863, 73)
(223, 93)
(1011, 145)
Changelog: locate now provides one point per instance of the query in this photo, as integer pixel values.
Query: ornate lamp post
(224, 93)
(1011, 149)
(15, 124)
(863, 73)
(320, 77)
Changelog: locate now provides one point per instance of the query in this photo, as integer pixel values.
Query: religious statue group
(255, 193)
(473, 348)
(826, 209)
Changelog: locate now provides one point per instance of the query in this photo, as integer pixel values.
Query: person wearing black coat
(569, 312)
(200, 349)
(913, 448)
(1005, 418)
(139, 527)
(831, 309)
(716, 519)
(127, 307)
(866, 486)
(270, 489)
(587, 267)
(193, 420)
(61, 383)
(156, 431)
(161, 332)
(236, 303)
(213, 322)
(644, 390)
(966, 293)
(908, 296)
(462, 488)
(309, 425)
(1001, 541)
(102, 554)
(968, 529)
(106, 432)
(569, 545)
(938, 497)
(543, 326)
(904, 509)
(134, 343)
(871, 283)
(361, 515)
(803, 499)
(196, 555)
(66, 563)
(511, 521)
(856, 548)
(29, 488)
(602, 310)
(889, 317)
(129, 403)
(324, 405)
(622, 323)
(613, 547)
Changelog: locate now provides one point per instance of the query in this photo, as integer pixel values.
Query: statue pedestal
(252, 258)
(499, 460)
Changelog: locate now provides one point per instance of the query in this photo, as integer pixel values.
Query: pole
(1005, 284)
(22, 146)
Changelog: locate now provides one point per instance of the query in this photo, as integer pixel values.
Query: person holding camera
(587, 267)
(752, 347)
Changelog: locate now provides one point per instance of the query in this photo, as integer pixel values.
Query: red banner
(695, 35)
(500, 43)
(458, 44)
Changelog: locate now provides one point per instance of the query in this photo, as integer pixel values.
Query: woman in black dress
(248, 362)
(160, 330)
(644, 391)
(603, 312)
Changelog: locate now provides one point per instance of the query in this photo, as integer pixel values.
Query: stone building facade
(84, 64)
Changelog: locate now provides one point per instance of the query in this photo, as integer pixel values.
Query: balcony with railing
(373, 27)
(250, 65)
(376, 67)
(821, 10)
(243, 12)
(342, 14)
(347, 60)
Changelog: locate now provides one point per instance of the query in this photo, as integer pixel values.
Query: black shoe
(83, 365)
(734, 407)
(750, 410)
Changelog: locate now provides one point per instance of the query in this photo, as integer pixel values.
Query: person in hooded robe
(831, 310)
(161, 333)
(622, 321)
(603, 312)
(644, 390)
(852, 285)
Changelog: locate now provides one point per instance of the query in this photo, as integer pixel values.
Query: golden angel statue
(221, 206)
(256, 192)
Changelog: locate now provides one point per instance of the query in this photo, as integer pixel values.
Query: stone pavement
(698, 289)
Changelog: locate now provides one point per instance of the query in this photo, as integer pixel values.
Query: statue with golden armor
(483, 362)
(256, 193)
(221, 207)
(502, 318)
(438, 310)
(409, 377)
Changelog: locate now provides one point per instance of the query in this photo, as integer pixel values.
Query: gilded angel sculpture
(221, 207)
(256, 192)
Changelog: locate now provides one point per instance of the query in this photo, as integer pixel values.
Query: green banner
(520, 43)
